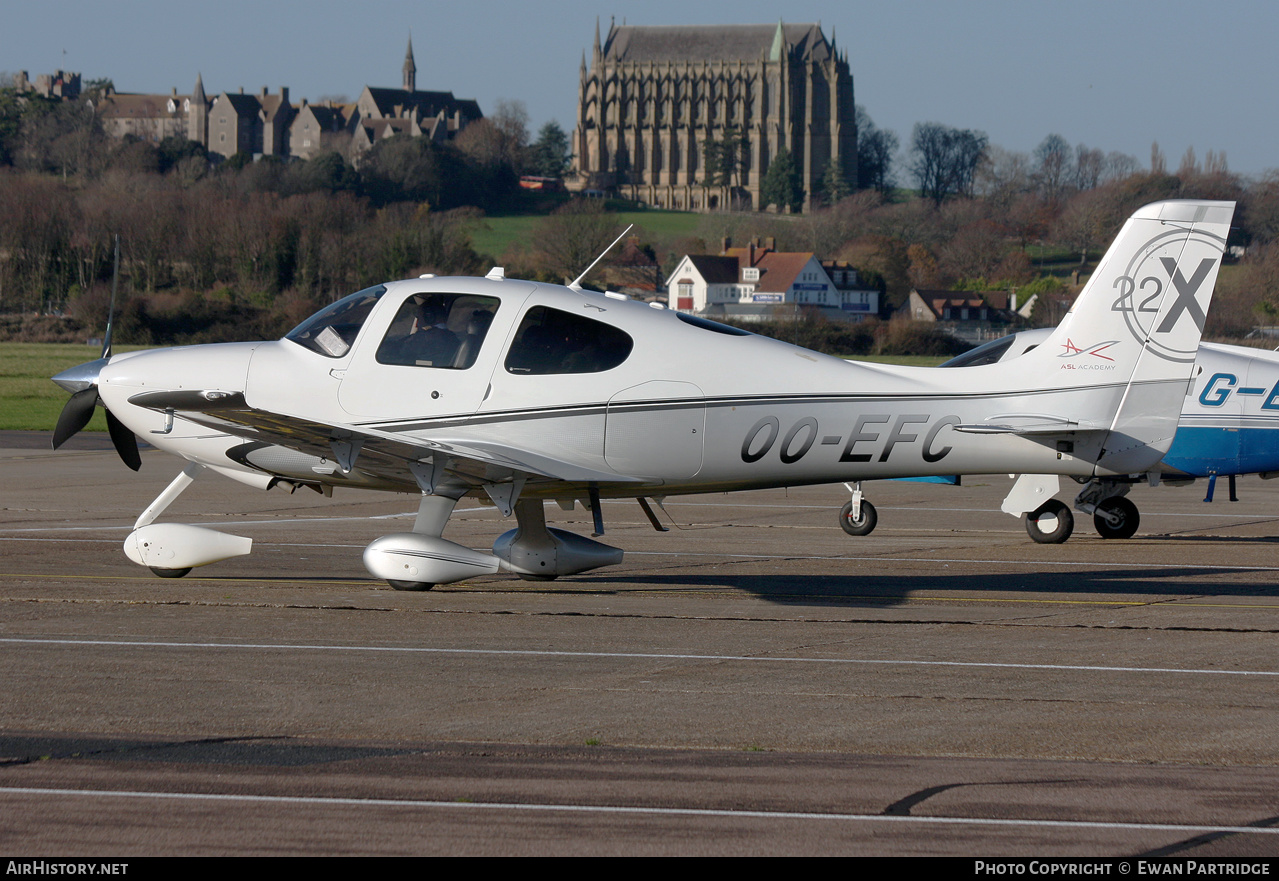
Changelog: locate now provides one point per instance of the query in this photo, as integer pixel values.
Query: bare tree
(567, 241)
(876, 148)
(1090, 164)
(945, 159)
(1158, 165)
(1189, 164)
(1119, 166)
(1003, 176)
(1054, 167)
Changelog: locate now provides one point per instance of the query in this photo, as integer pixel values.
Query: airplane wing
(414, 462)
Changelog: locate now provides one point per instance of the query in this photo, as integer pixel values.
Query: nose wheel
(858, 516)
(410, 585)
(862, 525)
(169, 573)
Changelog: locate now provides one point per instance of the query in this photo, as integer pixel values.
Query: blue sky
(1114, 75)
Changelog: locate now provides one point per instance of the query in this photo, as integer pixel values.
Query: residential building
(756, 282)
(969, 315)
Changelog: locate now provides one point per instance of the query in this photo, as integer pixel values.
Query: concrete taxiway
(752, 682)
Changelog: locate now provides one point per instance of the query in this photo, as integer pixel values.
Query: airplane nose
(82, 376)
(82, 382)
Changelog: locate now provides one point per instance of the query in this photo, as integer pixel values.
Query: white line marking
(654, 656)
(619, 809)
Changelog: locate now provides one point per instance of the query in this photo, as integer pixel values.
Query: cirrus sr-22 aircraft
(525, 393)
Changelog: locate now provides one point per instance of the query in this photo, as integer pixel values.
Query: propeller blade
(75, 415)
(126, 443)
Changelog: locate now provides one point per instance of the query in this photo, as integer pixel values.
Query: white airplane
(524, 393)
(1229, 425)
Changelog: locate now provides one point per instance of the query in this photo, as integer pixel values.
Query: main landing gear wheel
(1126, 511)
(411, 585)
(864, 525)
(1049, 524)
(169, 573)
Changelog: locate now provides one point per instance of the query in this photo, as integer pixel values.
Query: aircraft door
(656, 429)
(431, 356)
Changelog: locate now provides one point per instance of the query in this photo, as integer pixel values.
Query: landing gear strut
(1113, 516)
(858, 516)
(171, 550)
(1051, 522)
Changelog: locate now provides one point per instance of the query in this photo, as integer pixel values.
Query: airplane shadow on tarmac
(1127, 584)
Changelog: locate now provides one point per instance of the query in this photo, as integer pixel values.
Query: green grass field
(29, 401)
(493, 235)
(907, 360)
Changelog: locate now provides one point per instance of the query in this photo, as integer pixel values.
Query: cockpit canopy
(446, 330)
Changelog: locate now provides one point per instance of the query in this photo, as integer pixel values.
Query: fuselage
(676, 404)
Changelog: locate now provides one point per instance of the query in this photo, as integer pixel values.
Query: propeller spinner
(82, 381)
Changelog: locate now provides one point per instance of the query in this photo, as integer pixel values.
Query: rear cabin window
(550, 341)
(438, 330)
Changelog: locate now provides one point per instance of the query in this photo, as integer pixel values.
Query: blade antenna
(115, 281)
(576, 284)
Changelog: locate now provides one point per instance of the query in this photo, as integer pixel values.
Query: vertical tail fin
(1138, 321)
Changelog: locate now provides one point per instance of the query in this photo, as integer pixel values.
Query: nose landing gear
(858, 516)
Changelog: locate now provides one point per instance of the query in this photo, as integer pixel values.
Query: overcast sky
(1113, 75)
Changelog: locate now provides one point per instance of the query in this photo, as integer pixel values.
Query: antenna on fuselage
(576, 284)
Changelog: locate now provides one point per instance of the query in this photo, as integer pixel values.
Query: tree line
(250, 247)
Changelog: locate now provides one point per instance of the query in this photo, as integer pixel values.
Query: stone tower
(410, 69)
(653, 96)
(198, 114)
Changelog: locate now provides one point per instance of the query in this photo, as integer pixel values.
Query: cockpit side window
(332, 331)
(551, 341)
(438, 330)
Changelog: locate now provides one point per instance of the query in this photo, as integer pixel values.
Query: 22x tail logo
(1152, 275)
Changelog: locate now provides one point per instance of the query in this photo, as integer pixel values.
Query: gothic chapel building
(654, 96)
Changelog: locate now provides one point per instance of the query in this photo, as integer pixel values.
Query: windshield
(332, 330)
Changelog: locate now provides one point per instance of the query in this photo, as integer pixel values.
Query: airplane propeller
(82, 382)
